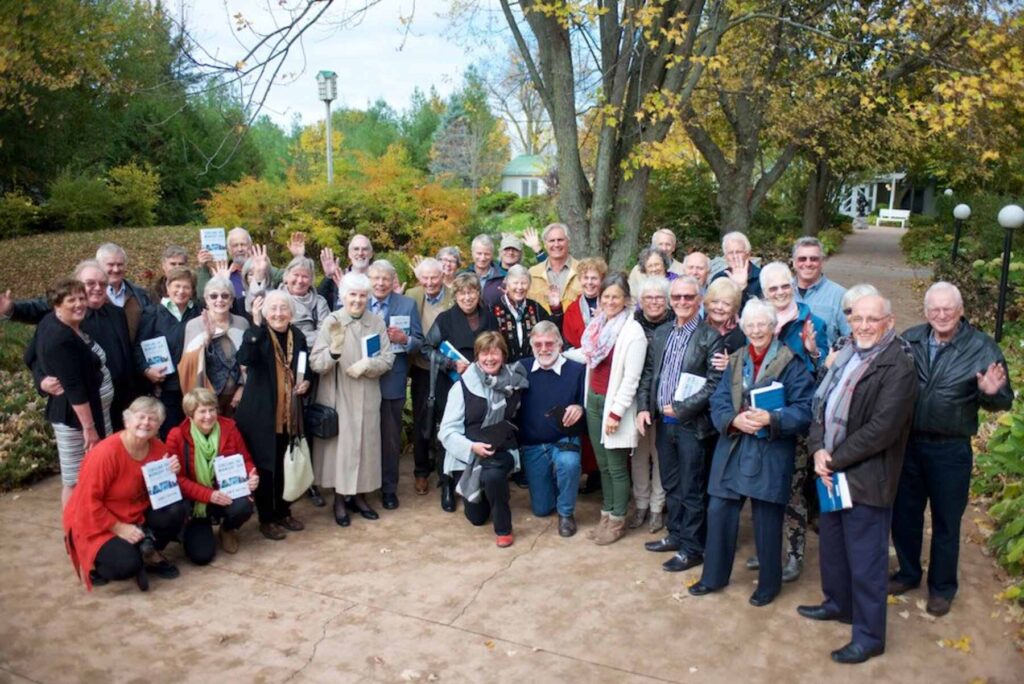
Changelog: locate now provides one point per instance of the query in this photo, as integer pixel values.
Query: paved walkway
(420, 595)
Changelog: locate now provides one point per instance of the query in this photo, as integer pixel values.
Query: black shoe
(821, 613)
(142, 579)
(852, 653)
(164, 569)
(314, 496)
(760, 600)
(447, 494)
(97, 580)
(897, 587)
(938, 605)
(700, 589)
(566, 525)
(661, 545)
(680, 562)
(390, 501)
(352, 504)
(340, 514)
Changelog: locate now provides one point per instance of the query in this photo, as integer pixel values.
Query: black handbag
(320, 421)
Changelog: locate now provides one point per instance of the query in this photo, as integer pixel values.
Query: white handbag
(298, 469)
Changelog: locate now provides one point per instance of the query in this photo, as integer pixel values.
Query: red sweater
(110, 489)
(572, 324)
(179, 438)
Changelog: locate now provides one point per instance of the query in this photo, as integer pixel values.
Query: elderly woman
(614, 348)
(721, 311)
(168, 319)
(807, 337)
(653, 262)
(350, 463)
(451, 262)
(459, 326)
(517, 315)
(269, 414)
(110, 530)
(310, 307)
(755, 452)
(592, 271)
(202, 437)
(211, 347)
(648, 494)
(479, 435)
(80, 415)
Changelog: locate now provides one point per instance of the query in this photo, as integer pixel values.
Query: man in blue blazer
(406, 335)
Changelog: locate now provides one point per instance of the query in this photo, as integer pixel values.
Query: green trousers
(611, 462)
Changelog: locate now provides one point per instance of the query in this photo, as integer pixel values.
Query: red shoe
(505, 540)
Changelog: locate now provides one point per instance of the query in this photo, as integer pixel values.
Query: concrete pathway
(420, 595)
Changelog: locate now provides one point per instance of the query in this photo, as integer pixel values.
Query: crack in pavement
(499, 571)
(323, 636)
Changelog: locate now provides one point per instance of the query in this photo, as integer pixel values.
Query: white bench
(900, 216)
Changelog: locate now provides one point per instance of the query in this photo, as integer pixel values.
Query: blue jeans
(553, 475)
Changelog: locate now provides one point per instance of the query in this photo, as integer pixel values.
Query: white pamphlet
(231, 476)
(403, 323)
(214, 241)
(689, 384)
(161, 483)
(300, 368)
(158, 354)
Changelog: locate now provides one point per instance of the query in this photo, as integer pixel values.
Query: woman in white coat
(349, 382)
(614, 348)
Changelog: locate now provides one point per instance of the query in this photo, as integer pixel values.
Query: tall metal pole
(1004, 278)
(958, 225)
(330, 152)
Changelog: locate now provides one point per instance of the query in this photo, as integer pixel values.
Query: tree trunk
(629, 210)
(816, 199)
(733, 200)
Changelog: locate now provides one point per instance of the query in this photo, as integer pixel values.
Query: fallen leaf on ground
(377, 660)
(409, 675)
(692, 669)
(921, 604)
(691, 581)
(489, 644)
(383, 550)
(963, 644)
(904, 614)
(679, 596)
(508, 653)
(638, 582)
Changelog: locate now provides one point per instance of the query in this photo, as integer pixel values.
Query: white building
(524, 175)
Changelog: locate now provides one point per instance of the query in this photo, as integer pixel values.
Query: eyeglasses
(942, 310)
(758, 325)
(812, 259)
(684, 297)
(870, 320)
(652, 298)
(785, 287)
(213, 296)
(847, 312)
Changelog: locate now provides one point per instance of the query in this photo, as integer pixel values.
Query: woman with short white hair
(517, 314)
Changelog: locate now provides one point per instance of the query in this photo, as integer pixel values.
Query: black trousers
(118, 559)
(270, 503)
(199, 542)
(493, 501)
(682, 460)
(936, 473)
(723, 528)
(854, 553)
(390, 443)
(423, 438)
(171, 399)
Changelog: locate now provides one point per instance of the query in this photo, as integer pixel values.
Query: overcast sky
(374, 59)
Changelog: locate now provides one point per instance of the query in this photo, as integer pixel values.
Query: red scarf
(757, 358)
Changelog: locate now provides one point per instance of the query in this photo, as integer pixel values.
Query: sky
(374, 59)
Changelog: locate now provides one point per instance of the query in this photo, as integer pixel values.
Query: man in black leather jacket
(959, 369)
(687, 344)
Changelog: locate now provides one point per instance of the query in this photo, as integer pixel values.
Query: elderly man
(698, 266)
(122, 292)
(550, 426)
(959, 370)
(739, 268)
(814, 289)
(431, 298)
(103, 322)
(173, 256)
(239, 251)
(555, 279)
(663, 240)
(861, 420)
(681, 351)
(360, 254)
(405, 333)
(511, 253)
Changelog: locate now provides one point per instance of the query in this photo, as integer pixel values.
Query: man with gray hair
(554, 283)
(405, 334)
(698, 266)
(173, 256)
(739, 268)
(959, 370)
(122, 292)
(239, 252)
(813, 288)
(551, 425)
(663, 240)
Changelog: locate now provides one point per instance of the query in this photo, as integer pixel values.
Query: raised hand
(297, 244)
(257, 310)
(328, 262)
(260, 262)
(221, 269)
(739, 268)
(532, 239)
(809, 338)
(993, 379)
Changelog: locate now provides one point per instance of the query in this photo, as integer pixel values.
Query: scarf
(790, 313)
(587, 308)
(600, 336)
(285, 381)
(835, 414)
(517, 311)
(499, 388)
(206, 451)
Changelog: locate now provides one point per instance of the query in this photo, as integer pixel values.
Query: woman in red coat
(110, 530)
(202, 437)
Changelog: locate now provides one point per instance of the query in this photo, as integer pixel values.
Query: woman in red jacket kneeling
(197, 442)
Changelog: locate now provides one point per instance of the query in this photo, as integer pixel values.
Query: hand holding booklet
(768, 398)
(454, 354)
(231, 476)
(689, 384)
(371, 346)
(158, 354)
(836, 499)
(161, 483)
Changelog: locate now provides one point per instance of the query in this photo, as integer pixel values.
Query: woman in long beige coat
(350, 462)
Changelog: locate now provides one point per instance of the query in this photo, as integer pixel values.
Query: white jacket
(627, 364)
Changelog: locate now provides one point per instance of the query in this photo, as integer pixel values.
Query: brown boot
(229, 540)
(592, 533)
(422, 486)
(613, 531)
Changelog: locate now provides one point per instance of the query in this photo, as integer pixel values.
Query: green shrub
(924, 245)
(495, 202)
(27, 449)
(18, 215)
(136, 193)
(80, 202)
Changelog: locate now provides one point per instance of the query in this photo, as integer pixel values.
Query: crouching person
(203, 436)
(550, 427)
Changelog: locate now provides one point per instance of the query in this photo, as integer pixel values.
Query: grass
(27, 266)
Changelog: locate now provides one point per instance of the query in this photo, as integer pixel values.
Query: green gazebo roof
(526, 165)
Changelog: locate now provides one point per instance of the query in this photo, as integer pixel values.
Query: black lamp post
(1011, 217)
(961, 213)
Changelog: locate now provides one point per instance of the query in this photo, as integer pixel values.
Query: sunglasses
(812, 259)
(684, 297)
(785, 287)
(213, 296)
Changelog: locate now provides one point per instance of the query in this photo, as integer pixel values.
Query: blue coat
(790, 336)
(746, 465)
(392, 383)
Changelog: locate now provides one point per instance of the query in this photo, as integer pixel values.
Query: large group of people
(680, 390)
